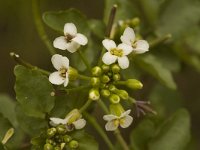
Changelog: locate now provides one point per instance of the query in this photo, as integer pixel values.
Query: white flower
(60, 63)
(124, 120)
(139, 46)
(71, 39)
(118, 53)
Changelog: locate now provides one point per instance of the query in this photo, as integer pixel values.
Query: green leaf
(151, 65)
(57, 19)
(97, 27)
(174, 134)
(86, 142)
(9, 112)
(33, 92)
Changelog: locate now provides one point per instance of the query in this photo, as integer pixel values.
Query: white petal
(66, 80)
(80, 39)
(70, 28)
(109, 117)
(111, 126)
(127, 49)
(123, 62)
(60, 43)
(126, 121)
(72, 46)
(108, 58)
(57, 121)
(128, 36)
(109, 44)
(60, 61)
(125, 113)
(79, 124)
(56, 79)
(142, 46)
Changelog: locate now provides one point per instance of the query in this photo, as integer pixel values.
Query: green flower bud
(96, 71)
(67, 138)
(95, 81)
(122, 94)
(94, 94)
(105, 93)
(116, 77)
(73, 73)
(51, 132)
(105, 67)
(112, 88)
(105, 79)
(61, 129)
(57, 148)
(110, 74)
(48, 147)
(115, 68)
(134, 84)
(74, 115)
(73, 144)
(135, 22)
(102, 85)
(49, 141)
(116, 109)
(114, 98)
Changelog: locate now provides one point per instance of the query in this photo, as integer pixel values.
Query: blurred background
(18, 34)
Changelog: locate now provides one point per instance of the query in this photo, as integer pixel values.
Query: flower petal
(125, 113)
(109, 117)
(128, 36)
(109, 44)
(123, 62)
(111, 126)
(79, 124)
(56, 79)
(60, 43)
(60, 61)
(57, 121)
(108, 58)
(66, 80)
(72, 46)
(80, 39)
(127, 49)
(142, 46)
(70, 29)
(126, 121)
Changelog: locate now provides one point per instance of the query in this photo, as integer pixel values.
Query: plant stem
(20, 61)
(103, 106)
(99, 129)
(40, 28)
(80, 76)
(85, 106)
(84, 60)
(132, 100)
(160, 40)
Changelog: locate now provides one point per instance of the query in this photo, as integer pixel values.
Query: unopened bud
(73, 144)
(105, 93)
(94, 94)
(57, 148)
(112, 88)
(61, 129)
(134, 84)
(51, 132)
(96, 71)
(67, 138)
(115, 68)
(105, 67)
(95, 81)
(135, 22)
(114, 98)
(116, 77)
(73, 73)
(73, 116)
(116, 109)
(122, 94)
(105, 79)
(48, 147)
(49, 141)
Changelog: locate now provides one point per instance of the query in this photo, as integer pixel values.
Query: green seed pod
(105, 68)
(122, 94)
(73, 73)
(51, 132)
(61, 129)
(94, 94)
(112, 88)
(116, 109)
(67, 138)
(115, 68)
(73, 144)
(96, 71)
(114, 98)
(134, 84)
(116, 77)
(105, 93)
(48, 147)
(95, 81)
(105, 79)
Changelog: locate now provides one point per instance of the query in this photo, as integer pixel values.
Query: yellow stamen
(117, 52)
(63, 72)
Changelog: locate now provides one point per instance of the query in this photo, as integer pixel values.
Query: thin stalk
(83, 77)
(160, 40)
(132, 100)
(84, 60)
(103, 106)
(99, 129)
(40, 28)
(85, 106)
(20, 61)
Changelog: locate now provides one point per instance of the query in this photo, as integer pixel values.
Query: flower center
(116, 122)
(117, 52)
(69, 37)
(121, 121)
(134, 44)
(63, 72)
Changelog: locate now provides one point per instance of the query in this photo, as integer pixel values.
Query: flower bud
(114, 98)
(112, 88)
(105, 93)
(73, 73)
(110, 74)
(116, 77)
(94, 94)
(48, 147)
(73, 115)
(73, 144)
(135, 22)
(96, 71)
(61, 129)
(57, 148)
(67, 138)
(105, 67)
(115, 68)
(134, 84)
(105, 79)
(49, 141)
(95, 81)
(51, 132)
(122, 94)
(116, 109)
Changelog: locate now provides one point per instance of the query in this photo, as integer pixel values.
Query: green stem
(132, 100)
(85, 106)
(160, 40)
(20, 61)
(83, 77)
(99, 129)
(84, 60)
(103, 106)
(40, 28)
